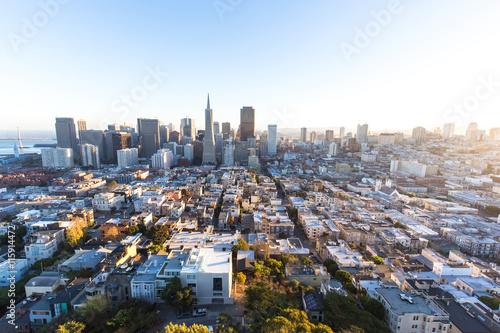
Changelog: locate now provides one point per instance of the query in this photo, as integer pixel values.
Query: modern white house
(107, 201)
(43, 244)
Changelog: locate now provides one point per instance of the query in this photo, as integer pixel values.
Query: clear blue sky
(282, 57)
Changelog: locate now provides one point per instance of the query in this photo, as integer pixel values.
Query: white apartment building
(411, 314)
(43, 244)
(57, 158)
(127, 157)
(16, 268)
(90, 156)
(144, 284)
(163, 159)
(150, 204)
(107, 201)
(209, 274)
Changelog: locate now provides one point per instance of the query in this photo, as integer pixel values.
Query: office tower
(116, 141)
(90, 156)
(114, 128)
(58, 158)
(186, 139)
(209, 140)
(329, 135)
(362, 134)
(197, 152)
(386, 139)
(419, 134)
(241, 152)
(272, 139)
(218, 147)
(228, 152)
(247, 123)
(216, 128)
(127, 157)
(201, 135)
(164, 132)
(171, 127)
(149, 136)
(66, 134)
(303, 134)
(162, 159)
(82, 126)
(188, 128)
(448, 131)
(313, 137)
(348, 135)
(226, 130)
(95, 138)
(189, 152)
(342, 132)
(333, 149)
(471, 132)
(174, 137)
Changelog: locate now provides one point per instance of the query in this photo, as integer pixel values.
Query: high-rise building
(362, 134)
(188, 128)
(218, 147)
(303, 134)
(164, 132)
(448, 131)
(208, 139)
(216, 128)
(174, 137)
(163, 159)
(471, 132)
(228, 152)
(329, 135)
(117, 141)
(66, 134)
(226, 130)
(58, 158)
(241, 152)
(419, 134)
(342, 132)
(82, 126)
(95, 138)
(333, 149)
(189, 152)
(313, 137)
(149, 136)
(247, 123)
(114, 127)
(90, 156)
(127, 157)
(197, 152)
(272, 139)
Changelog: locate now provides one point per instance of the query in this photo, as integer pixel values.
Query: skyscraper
(82, 126)
(226, 130)
(362, 134)
(208, 139)
(448, 130)
(342, 132)
(188, 128)
(303, 134)
(216, 128)
(66, 134)
(471, 132)
(95, 138)
(149, 136)
(272, 139)
(90, 156)
(419, 134)
(228, 152)
(329, 135)
(247, 123)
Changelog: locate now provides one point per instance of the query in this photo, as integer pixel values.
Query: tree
(282, 235)
(241, 246)
(195, 328)
(399, 225)
(373, 306)
(71, 327)
(275, 266)
(241, 278)
(95, 312)
(491, 302)
(295, 284)
(159, 234)
(493, 209)
(342, 276)
(350, 287)
(288, 258)
(133, 229)
(175, 295)
(377, 260)
(184, 298)
(306, 261)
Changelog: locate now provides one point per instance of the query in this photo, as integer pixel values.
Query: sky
(392, 64)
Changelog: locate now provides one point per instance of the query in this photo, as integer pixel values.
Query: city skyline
(398, 76)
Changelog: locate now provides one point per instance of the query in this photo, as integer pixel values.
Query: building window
(217, 284)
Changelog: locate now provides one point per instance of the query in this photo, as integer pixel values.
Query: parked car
(200, 312)
(184, 315)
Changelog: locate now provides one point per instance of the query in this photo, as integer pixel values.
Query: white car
(200, 312)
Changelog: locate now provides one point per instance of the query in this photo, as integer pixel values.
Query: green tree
(275, 266)
(306, 261)
(184, 298)
(241, 246)
(373, 306)
(71, 327)
(288, 258)
(350, 287)
(159, 234)
(491, 302)
(95, 312)
(282, 235)
(399, 225)
(133, 229)
(241, 278)
(493, 209)
(170, 292)
(377, 260)
(342, 276)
